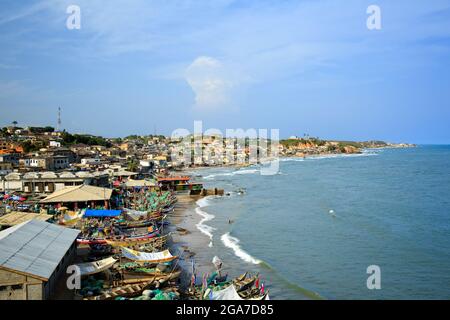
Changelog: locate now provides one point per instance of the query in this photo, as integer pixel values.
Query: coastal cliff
(302, 147)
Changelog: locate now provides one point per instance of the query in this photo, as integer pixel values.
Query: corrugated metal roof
(79, 193)
(35, 247)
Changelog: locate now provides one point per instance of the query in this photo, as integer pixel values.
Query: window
(17, 287)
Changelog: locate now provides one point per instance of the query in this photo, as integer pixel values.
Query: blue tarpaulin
(102, 213)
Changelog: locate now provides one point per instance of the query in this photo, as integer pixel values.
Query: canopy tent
(89, 268)
(230, 293)
(73, 215)
(91, 213)
(155, 257)
(81, 193)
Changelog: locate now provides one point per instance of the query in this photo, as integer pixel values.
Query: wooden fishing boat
(136, 242)
(136, 215)
(140, 223)
(148, 257)
(94, 267)
(161, 277)
(156, 280)
(253, 294)
(167, 209)
(126, 239)
(126, 291)
(155, 246)
(244, 282)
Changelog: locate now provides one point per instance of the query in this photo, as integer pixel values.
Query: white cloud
(210, 82)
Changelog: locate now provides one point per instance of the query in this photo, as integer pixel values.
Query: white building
(55, 144)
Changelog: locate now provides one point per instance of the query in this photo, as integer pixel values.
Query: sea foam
(230, 174)
(201, 226)
(233, 243)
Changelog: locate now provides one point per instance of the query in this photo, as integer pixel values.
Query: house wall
(6, 185)
(14, 286)
(58, 275)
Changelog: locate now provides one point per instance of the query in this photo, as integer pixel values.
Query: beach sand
(187, 241)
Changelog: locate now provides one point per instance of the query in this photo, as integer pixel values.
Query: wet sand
(187, 241)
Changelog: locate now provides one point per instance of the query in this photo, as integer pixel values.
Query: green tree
(49, 129)
(28, 146)
(132, 165)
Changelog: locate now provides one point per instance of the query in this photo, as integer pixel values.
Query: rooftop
(81, 193)
(35, 247)
(179, 178)
(15, 218)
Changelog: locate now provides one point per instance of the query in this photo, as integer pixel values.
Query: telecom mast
(58, 128)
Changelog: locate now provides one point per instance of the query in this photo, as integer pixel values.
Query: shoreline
(188, 242)
(190, 170)
(191, 243)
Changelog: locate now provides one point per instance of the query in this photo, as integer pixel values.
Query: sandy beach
(187, 241)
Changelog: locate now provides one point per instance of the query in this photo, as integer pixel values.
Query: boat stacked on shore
(125, 253)
(217, 287)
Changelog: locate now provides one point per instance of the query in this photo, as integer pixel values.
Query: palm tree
(14, 123)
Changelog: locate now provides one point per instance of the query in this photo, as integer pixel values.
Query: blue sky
(298, 66)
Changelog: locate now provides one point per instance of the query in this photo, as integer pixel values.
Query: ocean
(313, 229)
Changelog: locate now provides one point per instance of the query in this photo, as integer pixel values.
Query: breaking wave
(230, 174)
(201, 226)
(329, 156)
(292, 159)
(233, 243)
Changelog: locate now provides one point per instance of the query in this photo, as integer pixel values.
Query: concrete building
(34, 256)
(10, 157)
(48, 162)
(80, 197)
(91, 161)
(5, 168)
(54, 144)
(49, 182)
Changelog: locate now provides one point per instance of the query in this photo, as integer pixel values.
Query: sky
(303, 67)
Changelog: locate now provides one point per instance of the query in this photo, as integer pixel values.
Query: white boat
(89, 268)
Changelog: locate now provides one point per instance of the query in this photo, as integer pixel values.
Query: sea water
(314, 228)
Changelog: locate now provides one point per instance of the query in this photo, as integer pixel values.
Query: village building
(5, 168)
(12, 158)
(34, 256)
(7, 146)
(49, 182)
(79, 197)
(54, 144)
(46, 163)
(61, 152)
(91, 161)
